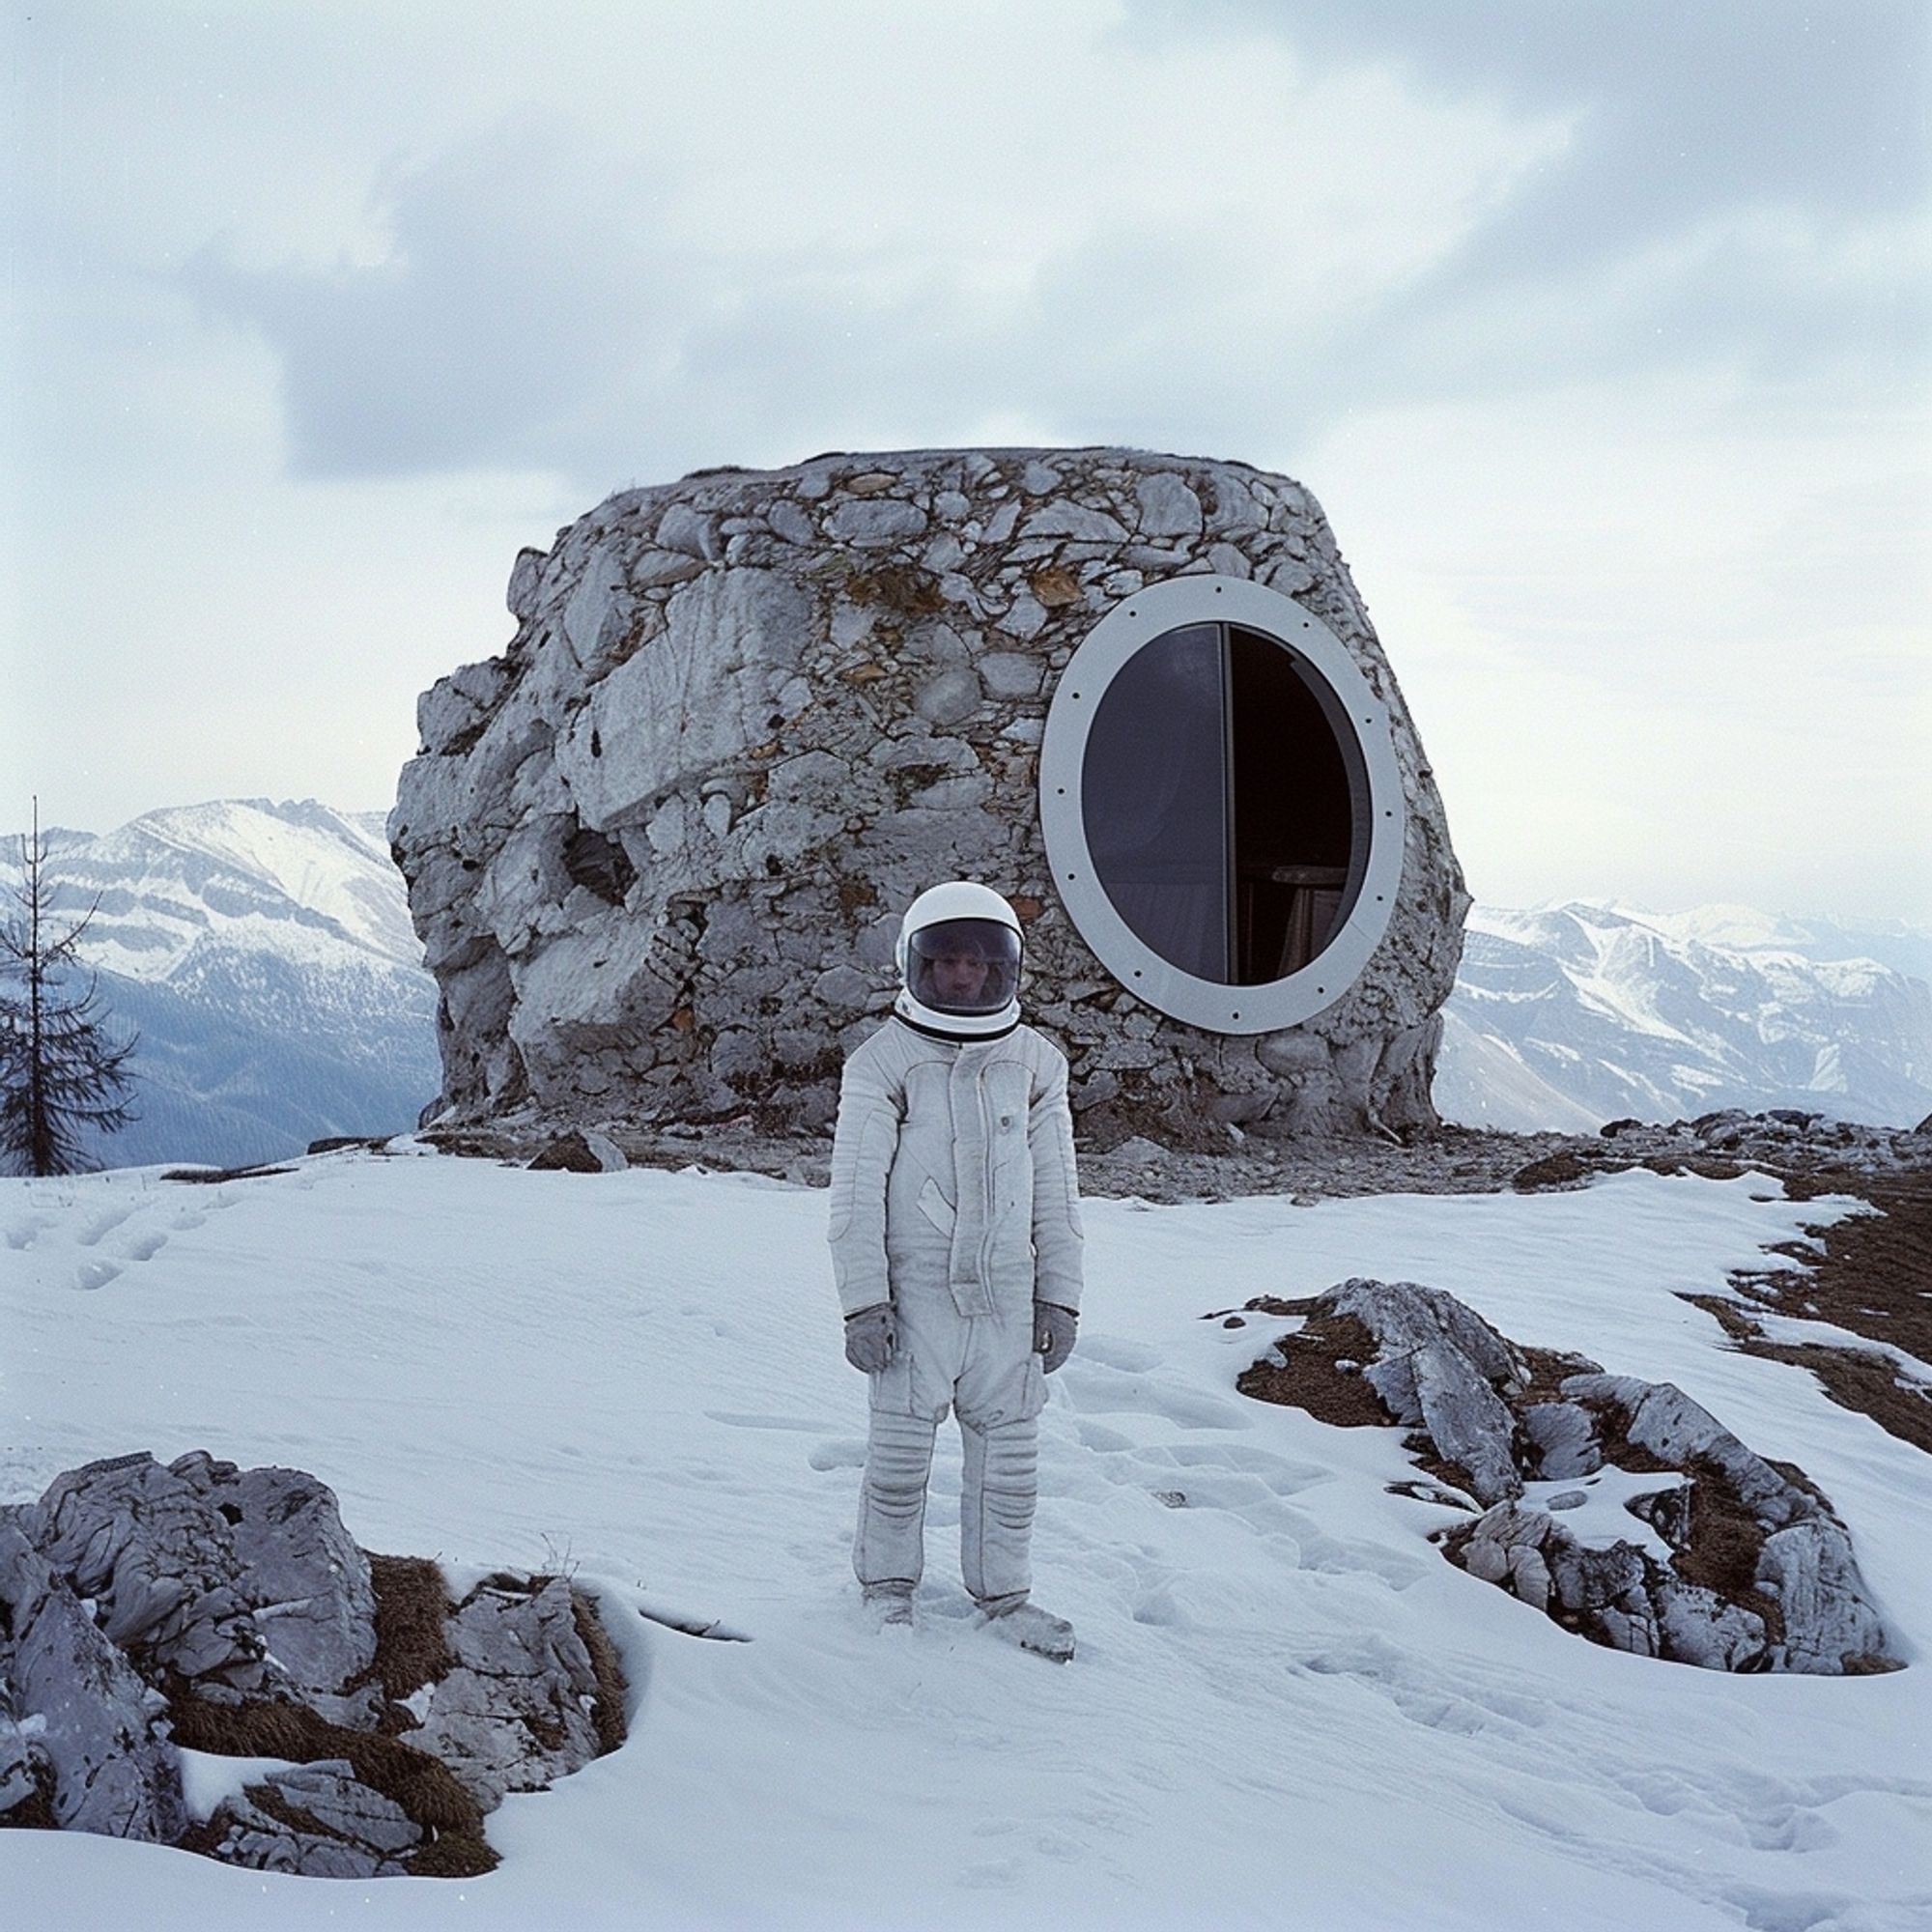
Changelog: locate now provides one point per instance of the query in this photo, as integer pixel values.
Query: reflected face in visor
(963, 966)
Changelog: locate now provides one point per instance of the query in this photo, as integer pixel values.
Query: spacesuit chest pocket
(1006, 1117)
(935, 1207)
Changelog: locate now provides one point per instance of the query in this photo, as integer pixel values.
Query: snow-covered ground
(1287, 1708)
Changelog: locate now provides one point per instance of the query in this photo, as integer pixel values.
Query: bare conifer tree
(60, 1072)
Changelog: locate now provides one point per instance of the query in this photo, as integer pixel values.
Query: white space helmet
(959, 962)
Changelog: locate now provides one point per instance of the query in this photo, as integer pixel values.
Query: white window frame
(1133, 622)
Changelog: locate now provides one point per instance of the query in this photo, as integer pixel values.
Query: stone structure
(658, 849)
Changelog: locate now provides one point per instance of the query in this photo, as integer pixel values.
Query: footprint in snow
(103, 1225)
(1096, 1390)
(1112, 1352)
(23, 1235)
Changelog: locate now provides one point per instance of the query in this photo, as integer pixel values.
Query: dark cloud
(1718, 152)
(1684, 112)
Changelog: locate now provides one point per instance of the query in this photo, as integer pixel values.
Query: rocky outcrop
(515, 1710)
(658, 849)
(144, 1610)
(1729, 1561)
(201, 1570)
(82, 1745)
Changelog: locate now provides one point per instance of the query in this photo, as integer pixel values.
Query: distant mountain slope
(265, 955)
(1571, 1015)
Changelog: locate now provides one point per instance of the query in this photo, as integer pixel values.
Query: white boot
(1027, 1625)
(888, 1604)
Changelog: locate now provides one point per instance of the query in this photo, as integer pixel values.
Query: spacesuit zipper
(986, 1237)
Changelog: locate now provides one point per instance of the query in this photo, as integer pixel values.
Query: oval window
(1220, 804)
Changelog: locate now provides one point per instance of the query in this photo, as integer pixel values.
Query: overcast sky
(1597, 326)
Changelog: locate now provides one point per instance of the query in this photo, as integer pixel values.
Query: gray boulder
(305, 1582)
(318, 1821)
(1773, 1531)
(156, 1559)
(514, 1712)
(1618, 1594)
(231, 1604)
(205, 1569)
(82, 1742)
(1441, 1368)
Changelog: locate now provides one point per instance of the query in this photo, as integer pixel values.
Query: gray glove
(869, 1336)
(1053, 1328)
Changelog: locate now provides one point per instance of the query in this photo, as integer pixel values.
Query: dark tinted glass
(1226, 803)
(964, 965)
(1154, 795)
(1301, 811)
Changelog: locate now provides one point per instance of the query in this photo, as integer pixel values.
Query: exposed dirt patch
(1721, 1544)
(1304, 1371)
(1420, 1448)
(1874, 1278)
(1133, 1145)
(1875, 1273)
(1610, 1424)
(1548, 1367)
(1562, 1169)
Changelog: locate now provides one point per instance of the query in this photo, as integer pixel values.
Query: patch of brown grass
(1723, 1545)
(424, 1786)
(608, 1713)
(412, 1648)
(1872, 1279)
(1561, 1169)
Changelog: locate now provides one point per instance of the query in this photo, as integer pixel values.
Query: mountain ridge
(264, 949)
(1589, 1008)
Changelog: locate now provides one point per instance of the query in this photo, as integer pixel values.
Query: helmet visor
(964, 966)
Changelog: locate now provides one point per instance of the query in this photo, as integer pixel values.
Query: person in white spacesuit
(955, 1243)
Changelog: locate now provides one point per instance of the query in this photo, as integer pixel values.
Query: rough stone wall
(659, 848)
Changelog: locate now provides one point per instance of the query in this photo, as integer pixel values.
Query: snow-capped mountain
(265, 955)
(1570, 1015)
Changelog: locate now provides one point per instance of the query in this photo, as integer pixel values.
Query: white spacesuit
(955, 1241)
